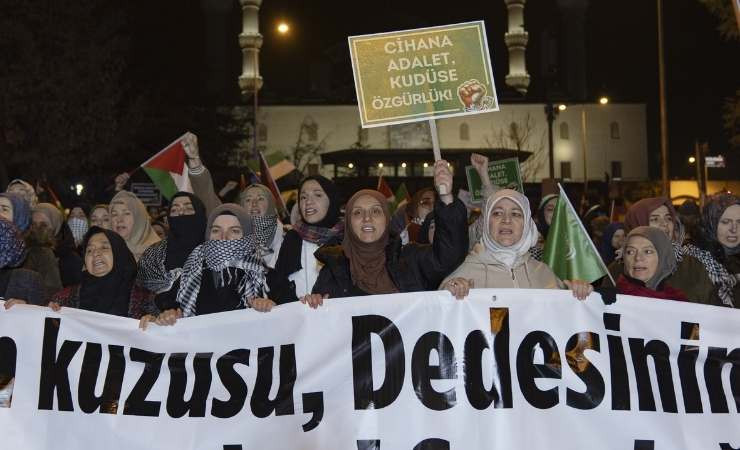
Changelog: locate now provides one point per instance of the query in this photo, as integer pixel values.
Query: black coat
(413, 267)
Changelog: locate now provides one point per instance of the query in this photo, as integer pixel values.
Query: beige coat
(487, 272)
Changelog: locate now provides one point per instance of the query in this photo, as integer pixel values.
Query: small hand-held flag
(268, 180)
(168, 170)
(569, 251)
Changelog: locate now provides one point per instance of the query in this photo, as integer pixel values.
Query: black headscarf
(109, 294)
(289, 258)
(185, 233)
(332, 214)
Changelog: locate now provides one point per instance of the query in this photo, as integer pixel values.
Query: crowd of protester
(205, 256)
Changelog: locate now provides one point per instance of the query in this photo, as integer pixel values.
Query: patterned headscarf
(21, 210)
(509, 255)
(265, 225)
(161, 264)
(222, 257)
(12, 245)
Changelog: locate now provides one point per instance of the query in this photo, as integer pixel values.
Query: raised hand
(443, 181)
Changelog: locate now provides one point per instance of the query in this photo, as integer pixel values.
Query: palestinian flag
(168, 171)
(268, 180)
(385, 189)
(278, 164)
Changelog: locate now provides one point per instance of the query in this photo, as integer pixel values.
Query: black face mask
(185, 233)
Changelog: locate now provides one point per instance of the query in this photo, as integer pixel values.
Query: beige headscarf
(142, 235)
(52, 213)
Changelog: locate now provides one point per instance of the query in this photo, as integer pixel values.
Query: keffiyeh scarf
(152, 274)
(721, 279)
(221, 257)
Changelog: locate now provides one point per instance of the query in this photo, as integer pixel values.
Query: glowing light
(403, 165)
(380, 165)
(351, 166)
(604, 100)
(692, 160)
(79, 188)
(426, 165)
(562, 107)
(283, 28)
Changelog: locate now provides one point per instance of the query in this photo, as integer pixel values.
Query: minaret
(516, 41)
(250, 41)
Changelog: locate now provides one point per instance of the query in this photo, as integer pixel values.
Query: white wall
(338, 127)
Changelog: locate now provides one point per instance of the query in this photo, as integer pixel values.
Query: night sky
(185, 52)
(621, 56)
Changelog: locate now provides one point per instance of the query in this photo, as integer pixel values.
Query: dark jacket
(414, 267)
(21, 284)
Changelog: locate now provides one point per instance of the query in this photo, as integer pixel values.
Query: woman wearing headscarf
(612, 242)
(39, 256)
(130, 219)
(224, 273)
(690, 275)
(48, 216)
(258, 201)
(370, 262)
(17, 286)
(318, 224)
(15, 209)
(648, 261)
(78, 222)
(720, 238)
(100, 217)
(503, 259)
(25, 190)
(160, 267)
(108, 277)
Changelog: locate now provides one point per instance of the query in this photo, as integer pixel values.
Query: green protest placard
(421, 74)
(504, 173)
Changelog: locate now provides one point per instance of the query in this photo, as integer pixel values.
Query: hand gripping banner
(509, 369)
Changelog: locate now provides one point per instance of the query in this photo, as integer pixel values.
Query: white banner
(505, 369)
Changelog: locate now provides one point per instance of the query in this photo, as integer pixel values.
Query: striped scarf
(222, 257)
(152, 274)
(721, 279)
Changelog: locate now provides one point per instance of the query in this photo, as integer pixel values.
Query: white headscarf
(509, 255)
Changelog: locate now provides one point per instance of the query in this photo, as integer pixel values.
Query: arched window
(464, 132)
(614, 130)
(262, 132)
(564, 132)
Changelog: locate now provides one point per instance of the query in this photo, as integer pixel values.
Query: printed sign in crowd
(504, 174)
(412, 75)
(503, 369)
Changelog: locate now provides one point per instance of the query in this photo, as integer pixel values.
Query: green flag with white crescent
(569, 251)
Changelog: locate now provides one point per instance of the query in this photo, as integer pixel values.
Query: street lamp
(604, 100)
(692, 160)
(283, 28)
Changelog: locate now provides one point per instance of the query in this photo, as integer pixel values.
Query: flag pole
(583, 229)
